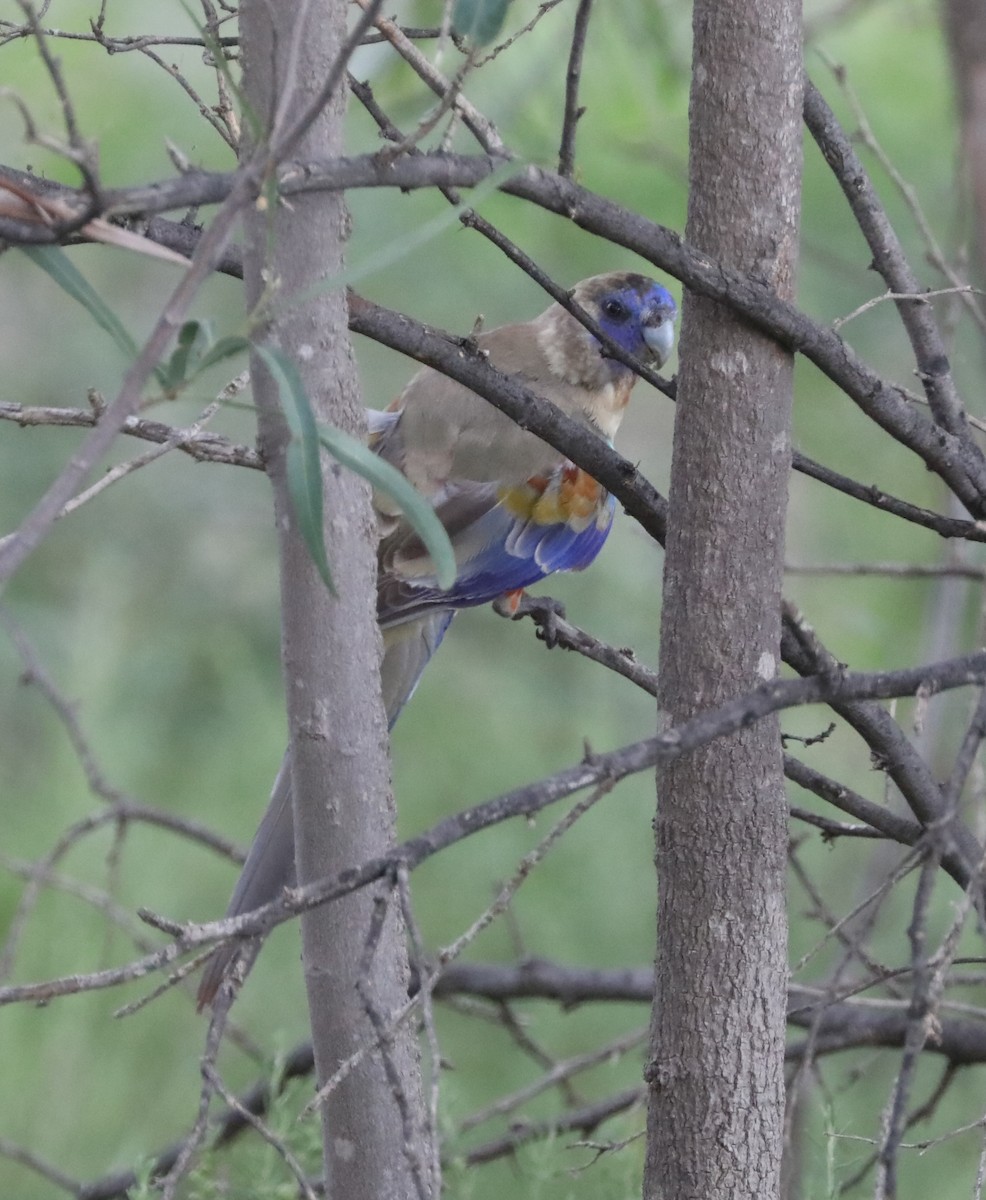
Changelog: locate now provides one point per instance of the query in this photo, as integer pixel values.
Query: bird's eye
(616, 310)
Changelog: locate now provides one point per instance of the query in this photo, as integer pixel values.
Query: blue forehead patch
(624, 310)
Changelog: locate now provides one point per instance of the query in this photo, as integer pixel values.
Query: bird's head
(637, 313)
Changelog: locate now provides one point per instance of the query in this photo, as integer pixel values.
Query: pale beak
(659, 338)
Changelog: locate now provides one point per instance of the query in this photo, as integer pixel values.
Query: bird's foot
(543, 611)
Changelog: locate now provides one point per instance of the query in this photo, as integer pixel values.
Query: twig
(265, 1131)
(10, 31)
(892, 570)
(889, 259)
(421, 1166)
(556, 631)
(832, 688)
(123, 469)
(573, 112)
(920, 1026)
(888, 824)
(584, 1120)
(977, 1188)
(869, 139)
(208, 113)
(966, 756)
(559, 1071)
(482, 129)
(78, 150)
(835, 829)
(34, 1162)
(203, 446)
(451, 952)
(921, 297)
(542, 10)
(402, 884)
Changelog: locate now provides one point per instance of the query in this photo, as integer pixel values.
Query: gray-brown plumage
(515, 509)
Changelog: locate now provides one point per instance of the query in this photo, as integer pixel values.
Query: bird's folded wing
(504, 538)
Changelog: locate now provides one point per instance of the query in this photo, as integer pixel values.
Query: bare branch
(34, 1162)
(202, 445)
(573, 113)
(263, 1129)
(834, 688)
(482, 129)
(889, 259)
(583, 1120)
(957, 460)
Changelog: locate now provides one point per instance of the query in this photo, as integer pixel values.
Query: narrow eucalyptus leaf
(306, 500)
(194, 339)
(226, 347)
(358, 457)
(479, 20)
(303, 465)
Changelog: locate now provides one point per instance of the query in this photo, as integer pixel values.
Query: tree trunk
(715, 1124)
(343, 808)
(965, 25)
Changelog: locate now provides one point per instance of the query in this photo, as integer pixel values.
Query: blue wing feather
(498, 550)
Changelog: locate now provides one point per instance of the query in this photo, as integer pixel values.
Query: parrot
(515, 510)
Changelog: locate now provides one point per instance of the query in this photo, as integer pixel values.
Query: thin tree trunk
(965, 25)
(715, 1124)
(330, 646)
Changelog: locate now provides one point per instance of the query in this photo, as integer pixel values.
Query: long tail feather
(270, 864)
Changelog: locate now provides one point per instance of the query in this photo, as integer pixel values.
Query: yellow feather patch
(571, 498)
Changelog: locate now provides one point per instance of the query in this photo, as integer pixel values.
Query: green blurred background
(155, 607)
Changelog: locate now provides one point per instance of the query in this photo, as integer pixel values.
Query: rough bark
(965, 25)
(330, 645)
(715, 1072)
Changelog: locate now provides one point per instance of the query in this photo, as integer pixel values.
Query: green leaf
(195, 352)
(225, 348)
(304, 470)
(193, 341)
(358, 457)
(304, 474)
(305, 490)
(56, 263)
(478, 20)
